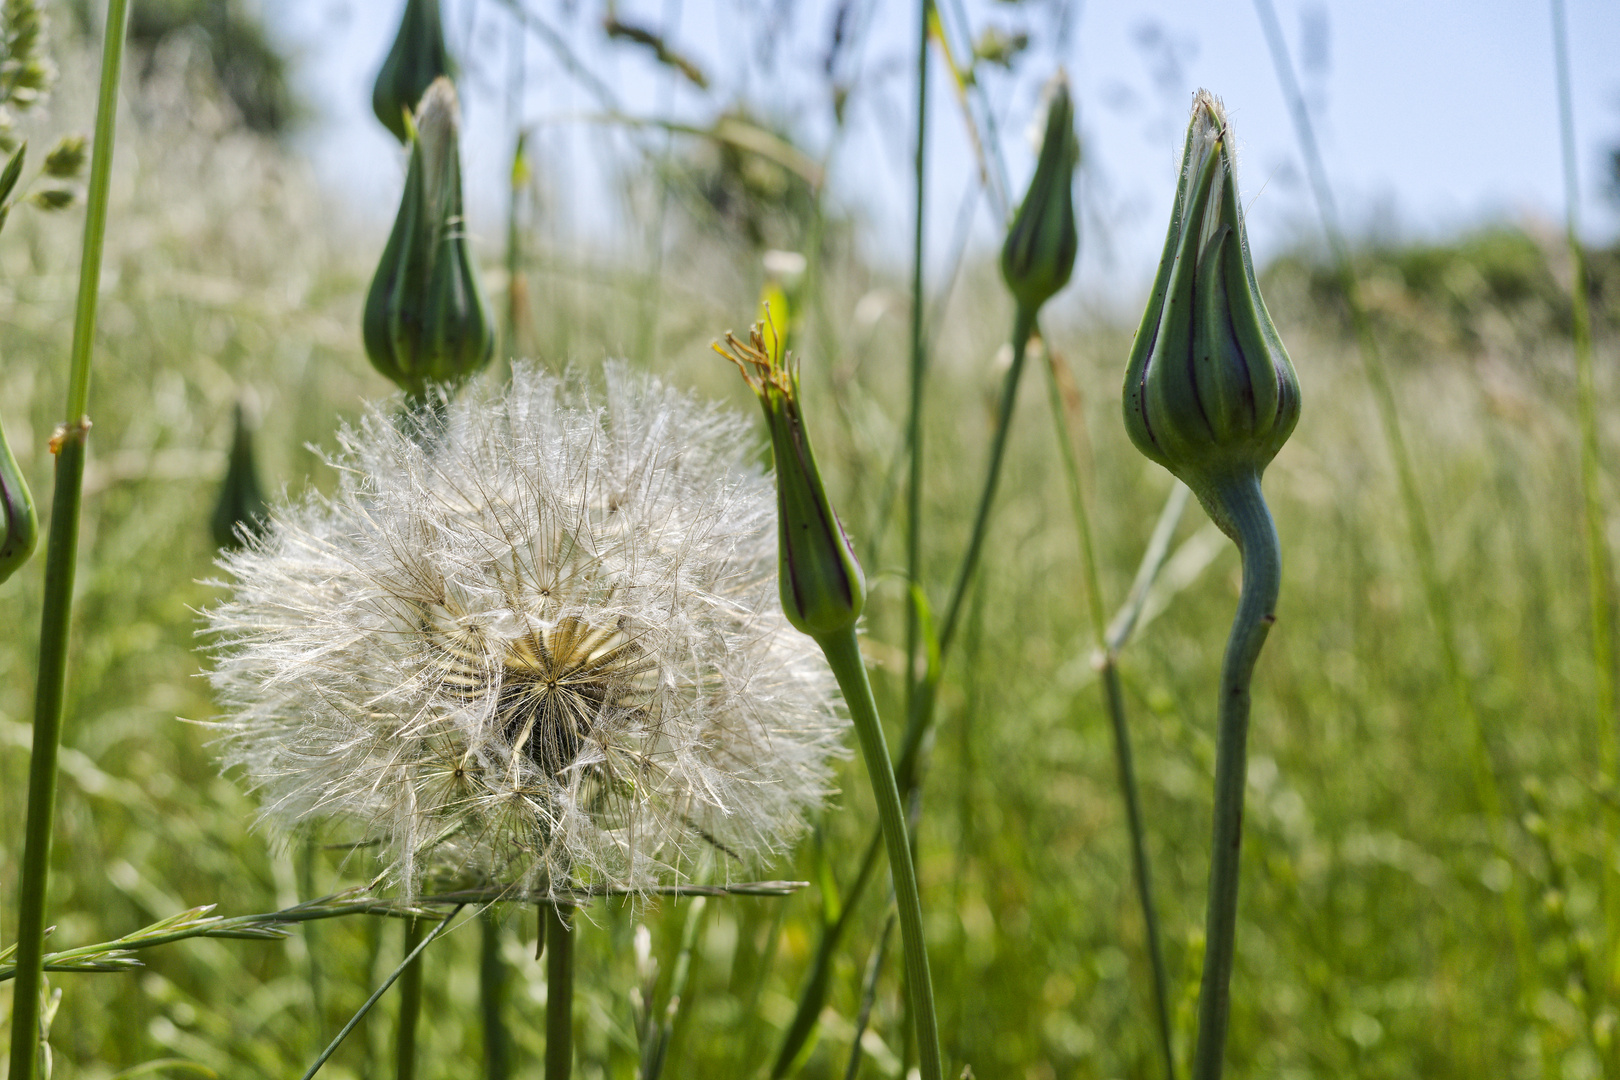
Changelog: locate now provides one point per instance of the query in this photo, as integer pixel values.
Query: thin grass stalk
(312, 945)
(1600, 571)
(656, 1053)
(1437, 599)
(1256, 538)
(1603, 660)
(1106, 660)
(559, 990)
(492, 983)
(863, 1018)
(61, 555)
(919, 356)
(410, 1003)
(410, 958)
(844, 657)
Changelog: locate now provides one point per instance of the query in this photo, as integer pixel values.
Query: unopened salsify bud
(1210, 393)
(418, 57)
(823, 589)
(1038, 257)
(426, 322)
(240, 512)
(19, 522)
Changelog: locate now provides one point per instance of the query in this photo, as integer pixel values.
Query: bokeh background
(252, 194)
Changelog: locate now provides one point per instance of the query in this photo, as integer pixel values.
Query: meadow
(1390, 836)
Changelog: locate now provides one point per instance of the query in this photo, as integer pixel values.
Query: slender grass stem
(863, 1019)
(1600, 579)
(919, 355)
(1603, 660)
(1436, 597)
(492, 997)
(410, 958)
(844, 657)
(559, 990)
(61, 555)
(312, 945)
(1256, 538)
(410, 1003)
(1107, 663)
(655, 1051)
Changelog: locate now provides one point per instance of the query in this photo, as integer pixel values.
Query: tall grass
(1369, 865)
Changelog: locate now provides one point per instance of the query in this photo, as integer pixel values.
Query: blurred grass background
(1372, 940)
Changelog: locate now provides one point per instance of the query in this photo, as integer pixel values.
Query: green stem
(559, 990)
(844, 657)
(919, 356)
(1597, 552)
(1599, 571)
(492, 996)
(56, 618)
(410, 1003)
(1256, 538)
(1107, 662)
(920, 710)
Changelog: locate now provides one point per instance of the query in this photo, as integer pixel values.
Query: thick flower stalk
(1210, 394)
(426, 323)
(541, 647)
(418, 56)
(823, 592)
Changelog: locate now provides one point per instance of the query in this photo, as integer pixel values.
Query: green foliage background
(1372, 941)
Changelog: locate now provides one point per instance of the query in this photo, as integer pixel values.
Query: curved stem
(61, 556)
(844, 656)
(1249, 523)
(559, 990)
(919, 704)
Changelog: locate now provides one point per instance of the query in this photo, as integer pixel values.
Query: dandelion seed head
(534, 639)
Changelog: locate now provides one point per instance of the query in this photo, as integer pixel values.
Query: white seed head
(539, 643)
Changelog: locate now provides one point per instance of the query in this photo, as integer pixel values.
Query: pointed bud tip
(1209, 390)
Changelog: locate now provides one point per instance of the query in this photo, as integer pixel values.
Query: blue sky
(1433, 115)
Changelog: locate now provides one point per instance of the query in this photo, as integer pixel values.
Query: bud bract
(823, 589)
(1038, 257)
(418, 57)
(426, 322)
(19, 522)
(240, 511)
(1210, 393)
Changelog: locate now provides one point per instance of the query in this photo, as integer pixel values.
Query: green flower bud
(1038, 257)
(19, 522)
(426, 321)
(823, 589)
(1209, 392)
(418, 57)
(240, 511)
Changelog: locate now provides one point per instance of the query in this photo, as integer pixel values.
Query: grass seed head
(544, 646)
